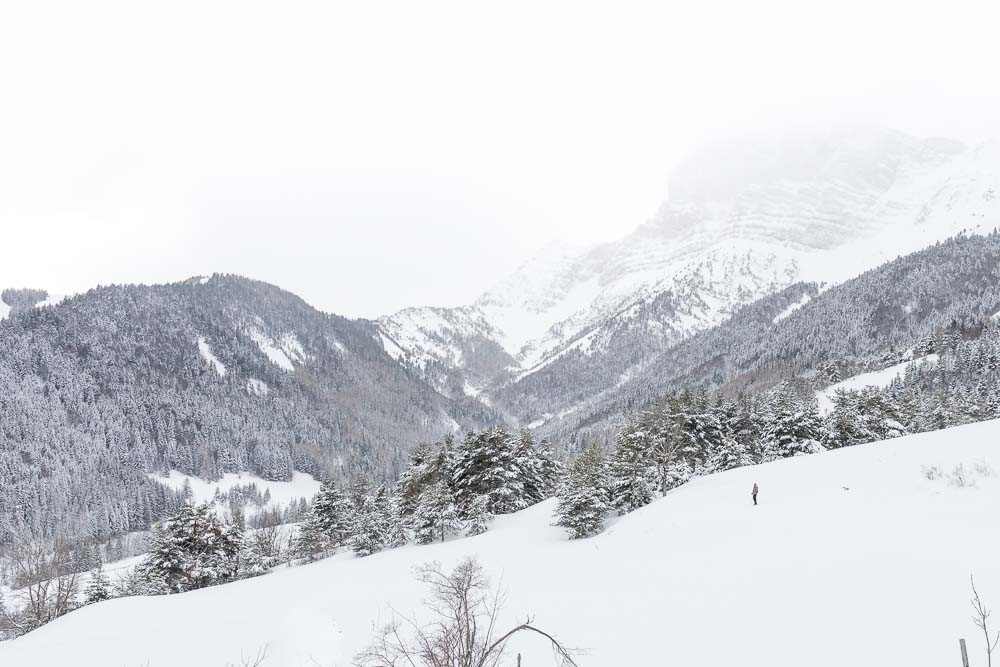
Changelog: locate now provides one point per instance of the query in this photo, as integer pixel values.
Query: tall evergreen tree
(491, 464)
(479, 517)
(583, 496)
(632, 480)
(437, 516)
(98, 588)
(370, 524)
(193, 548)
(793, 427)
(731, 454)
(327, 524)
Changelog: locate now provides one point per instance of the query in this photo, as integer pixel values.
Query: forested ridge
(863, 324)
(112, 384)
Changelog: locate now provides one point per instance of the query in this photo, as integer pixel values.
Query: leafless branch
(981, 620)
(463, 633)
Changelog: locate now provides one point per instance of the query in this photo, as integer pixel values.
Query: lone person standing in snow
(754, 493)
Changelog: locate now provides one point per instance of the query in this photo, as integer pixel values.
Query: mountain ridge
(741, 223)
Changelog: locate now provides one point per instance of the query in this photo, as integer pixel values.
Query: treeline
(447, 489)
(955, 380)
(961, 387)
(684, 435)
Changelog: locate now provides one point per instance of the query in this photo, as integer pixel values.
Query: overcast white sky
(372, 155)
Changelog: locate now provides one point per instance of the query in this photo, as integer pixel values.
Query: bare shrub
(464, 631)
(981, 619)
(983, 469)
(45, 586)
(961, 476)
(932, 472)
(254, 660)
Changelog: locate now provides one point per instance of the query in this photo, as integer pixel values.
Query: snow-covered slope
(282, 494)
(880, 379)
(742, 221)
(854, 557)
(455, 349)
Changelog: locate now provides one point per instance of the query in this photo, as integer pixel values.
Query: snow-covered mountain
(206, 377)
(743, 220)
(875, 542)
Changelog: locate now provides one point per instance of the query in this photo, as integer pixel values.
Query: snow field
(302, 485)
(853, 557)
(880, 379)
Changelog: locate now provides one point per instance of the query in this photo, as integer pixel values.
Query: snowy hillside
(880, 379)
(208, 377)
(742, 221)
(280, 493)
(860, 556)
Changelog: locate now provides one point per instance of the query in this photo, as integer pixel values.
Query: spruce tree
(333, 515)
(428, 465)
(193, 548)
(583, 496)
(436, 517)
(479, 517)
(491, 464)
(538, 467)
(731, 454)
(396, 532)
(632, 478)
(98, 588)
(371, 524)
(794, 426)
(311, 540)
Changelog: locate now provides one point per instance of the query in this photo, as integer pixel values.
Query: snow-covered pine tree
(492, 464)
(428, 465)
(193, 548)
(842, 426)
(413, 479)
(333, 515)
(98, 588)
(793, 427)
(311, 540)
(141, 580)
(731, 454)
(632, 479)
(583, 496)
(548, 470)
(396, 532)
(741, 422)
(479, 517)
(326, 525)
(700, 426)
(538, 468)
(367, 535)
(436, 516)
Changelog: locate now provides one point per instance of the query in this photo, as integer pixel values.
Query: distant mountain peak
(745, 218)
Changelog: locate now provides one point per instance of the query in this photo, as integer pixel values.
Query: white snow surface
(281, 353)
(51, 300)
(302, 485)
(257, 387)
(880, 379)
(791, 308)
(856, 542)
(206, 353)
